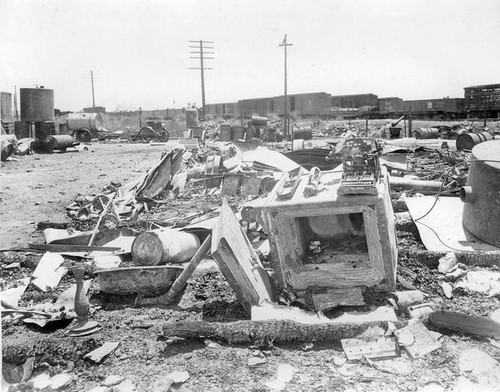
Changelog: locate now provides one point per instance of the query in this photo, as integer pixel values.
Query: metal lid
(489, 152)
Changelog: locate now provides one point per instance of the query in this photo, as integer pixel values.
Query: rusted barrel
(250, 134)
(162, 246)
(58, 142)
(466, 141)
(426, 133)
(238, 133)
(304, 133)
(225, 133)
(258, 121)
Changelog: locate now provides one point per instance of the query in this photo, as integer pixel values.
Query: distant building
(97, 109)
(483, 100)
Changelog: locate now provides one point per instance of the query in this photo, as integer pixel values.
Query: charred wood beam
(277, 331)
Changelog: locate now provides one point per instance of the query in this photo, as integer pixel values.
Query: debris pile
(311, 255)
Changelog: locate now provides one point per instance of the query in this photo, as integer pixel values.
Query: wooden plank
(49, 272)
(99, 353)
(238, 261)
(349, 296)
(421, 341)
(460, 322)
(277, 331)
(62, 248)
(355, 349)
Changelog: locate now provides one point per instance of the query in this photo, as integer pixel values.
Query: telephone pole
(92, 81)
(202, 49)
(286, 123)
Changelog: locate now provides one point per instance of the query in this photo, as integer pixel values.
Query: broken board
(355, 349)
(347, 296)
(48, 272)
(238, 261)
(423, 340)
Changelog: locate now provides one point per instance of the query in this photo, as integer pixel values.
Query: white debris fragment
(447, 262)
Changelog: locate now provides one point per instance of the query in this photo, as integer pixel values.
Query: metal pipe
(466, 194)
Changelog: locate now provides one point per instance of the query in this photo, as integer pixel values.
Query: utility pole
(92, 81)
(202, 49)
(286, 123)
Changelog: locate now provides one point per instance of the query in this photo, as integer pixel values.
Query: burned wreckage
(311, 255)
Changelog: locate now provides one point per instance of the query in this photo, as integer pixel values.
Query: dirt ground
(38, 188)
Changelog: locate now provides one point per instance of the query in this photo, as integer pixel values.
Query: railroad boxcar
(442, 108)
(308, 104)
(354, 100)
(482, 100)
(390, 106)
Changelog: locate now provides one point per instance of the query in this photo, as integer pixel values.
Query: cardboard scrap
(12, 296)
(441, 229)
(99, 353)
(49, 272)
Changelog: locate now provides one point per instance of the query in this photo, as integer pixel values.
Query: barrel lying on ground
(162, 246)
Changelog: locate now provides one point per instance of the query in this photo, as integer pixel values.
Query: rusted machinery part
(147, 133)
(165, 135)
(83, 135)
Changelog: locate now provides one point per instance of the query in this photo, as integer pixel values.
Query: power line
(202, 49)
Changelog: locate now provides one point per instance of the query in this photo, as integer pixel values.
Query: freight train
(478, 102)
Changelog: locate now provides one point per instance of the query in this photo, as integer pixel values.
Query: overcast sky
(139, 49)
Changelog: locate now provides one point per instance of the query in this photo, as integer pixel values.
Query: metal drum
(22, 129)
(481, 195)
(426, 133)
(91, 121)
(225, 133)
(238, 133)
(250, 133)
(37, 104)
(466, 141)
(258, 121)
(58, 142)
(303, 133)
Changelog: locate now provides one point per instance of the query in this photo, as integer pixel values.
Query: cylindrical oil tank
(466, 141)
(258, 121)
(238, 132)
(58, 142)
(37, 104)
(91, 121)
(225, 133)
(426, 133)
(481, 195)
